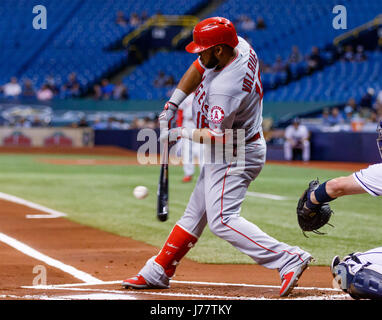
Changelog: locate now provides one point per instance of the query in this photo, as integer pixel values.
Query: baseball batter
(190, 150)
(228, 96)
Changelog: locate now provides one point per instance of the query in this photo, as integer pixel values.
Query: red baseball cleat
(137, 282)
(187, 179)
(289, 280)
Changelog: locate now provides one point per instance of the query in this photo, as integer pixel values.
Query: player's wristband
(177, 97)
(321, 194)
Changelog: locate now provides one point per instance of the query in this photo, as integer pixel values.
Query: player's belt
(254, 138)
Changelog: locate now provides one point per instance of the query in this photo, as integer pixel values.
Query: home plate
(97, 296)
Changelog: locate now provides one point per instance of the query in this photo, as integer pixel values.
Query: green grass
(101, 197)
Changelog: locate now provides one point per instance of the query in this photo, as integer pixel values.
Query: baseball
(140, 192)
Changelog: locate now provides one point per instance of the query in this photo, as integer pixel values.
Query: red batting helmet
(211, 32)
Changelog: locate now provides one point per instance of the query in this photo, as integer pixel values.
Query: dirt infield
(85, 263)
(110, 258)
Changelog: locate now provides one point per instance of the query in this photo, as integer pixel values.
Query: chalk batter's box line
(130, 295)
(47, 287)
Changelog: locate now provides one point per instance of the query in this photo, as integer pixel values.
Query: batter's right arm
(190, 80)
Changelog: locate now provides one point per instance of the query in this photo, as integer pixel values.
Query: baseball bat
(162, 206)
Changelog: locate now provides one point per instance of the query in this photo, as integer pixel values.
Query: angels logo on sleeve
(216, 115)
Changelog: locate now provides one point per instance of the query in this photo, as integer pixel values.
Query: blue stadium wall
(326, 146)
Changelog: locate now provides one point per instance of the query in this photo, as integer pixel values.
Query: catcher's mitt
(312, 220)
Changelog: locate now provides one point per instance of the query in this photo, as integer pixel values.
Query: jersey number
(201, 121)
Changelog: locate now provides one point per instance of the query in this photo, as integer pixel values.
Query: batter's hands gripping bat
(162, 207)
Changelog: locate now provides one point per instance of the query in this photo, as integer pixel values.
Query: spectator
(335, 117)
(279, 65)
(107, 89)
(314, 60)
(28, 90)
(113, 123)
(12, 89)
(97, 92)
(120, 91)
(121, 19)
(144, 16)
(367, 99)
(260, 23)
(36, 122)
(134, 20)
(45, 93)
(325, 117)
(295, 55)
(246, 23)
(22, 123)
(378, 102)
(75, 91)
(360, 55)
(297, 138)
(373, 117)
(352, 104)
(150, 123)
(51, 82)
(71, 87)
(350, 110)
(265, 67)
(83, 123)
(349, 114)
(379, 114)
(138, 123)
(348, 53)
(72, 80)
(162, 80)
(98, 124)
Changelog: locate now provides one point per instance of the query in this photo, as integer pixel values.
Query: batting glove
(167, 115)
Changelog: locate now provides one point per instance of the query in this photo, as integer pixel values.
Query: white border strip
(51, 213)
(85, 277)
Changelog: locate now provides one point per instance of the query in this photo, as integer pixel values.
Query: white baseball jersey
(296, 134)
(373, 257)
(186, 107)
(370, 179)
(231, 98)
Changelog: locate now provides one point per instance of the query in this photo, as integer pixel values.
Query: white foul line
(51, 213)
(266, 196)
(48, 260)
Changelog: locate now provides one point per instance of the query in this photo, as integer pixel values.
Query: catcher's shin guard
(367, 283)
(178, 243)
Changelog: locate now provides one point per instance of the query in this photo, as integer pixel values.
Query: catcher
(313, 211)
